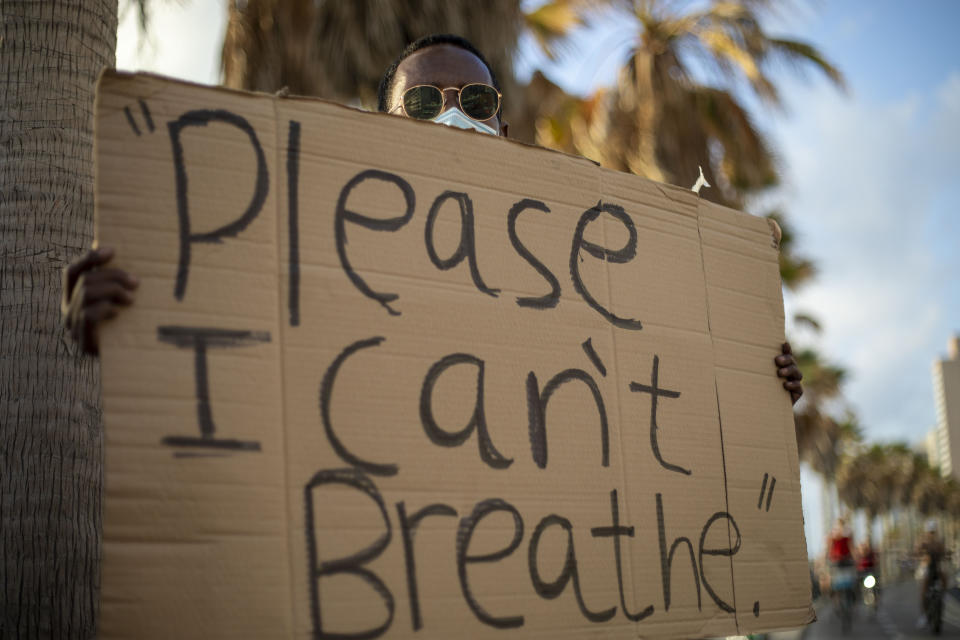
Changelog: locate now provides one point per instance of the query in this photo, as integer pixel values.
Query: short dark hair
(386, 82)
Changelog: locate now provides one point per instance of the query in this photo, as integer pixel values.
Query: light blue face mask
(453, 117)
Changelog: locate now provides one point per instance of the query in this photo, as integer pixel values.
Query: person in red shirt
(840, 545)
(866, 558)
(843, 573)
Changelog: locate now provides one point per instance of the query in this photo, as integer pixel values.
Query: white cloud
(183, 39)
(949, 93)
(869, 189)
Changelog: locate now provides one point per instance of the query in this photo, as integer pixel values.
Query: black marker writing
(352, 564)
(537, 412)
(729, 551)
(466, 249)
(326, 396)
(344, 215)
(550, 590)
(464, 535)
(615, 531)
(594, 357)
(146, 115)
(408, 526)
(293, 213)
(201, 118)
(200, 339)
(478, 421)
(666, 558)
(655, 393)
(626, 254)
(131, 121)
(549, 300)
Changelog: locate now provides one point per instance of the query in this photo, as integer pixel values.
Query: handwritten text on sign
(461, 384)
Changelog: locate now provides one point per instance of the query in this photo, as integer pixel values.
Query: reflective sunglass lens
(422, 103)
(479, 101)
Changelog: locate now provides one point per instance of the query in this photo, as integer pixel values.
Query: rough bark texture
(50, 428)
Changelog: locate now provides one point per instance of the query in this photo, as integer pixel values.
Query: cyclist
(840, 545)
(930, 551)
(842, 571)
(867, 568)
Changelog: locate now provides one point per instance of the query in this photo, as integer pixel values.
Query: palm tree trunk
(831, 501)
(50, 429)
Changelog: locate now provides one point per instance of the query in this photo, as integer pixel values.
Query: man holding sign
(321, 421)
(442, 78)
(526, 456)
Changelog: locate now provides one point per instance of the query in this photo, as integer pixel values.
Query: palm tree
(857, 485)
(339, 50)
(936, 495)
(658, 122)
(50, 429)
(870, 480)
(823, 443)
(929, 494)
(662, 122)
(890, 477)
(818, 433)
(796, 270)
(952, 508)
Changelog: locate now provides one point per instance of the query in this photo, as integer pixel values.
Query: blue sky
(870, 180)
(873, 190)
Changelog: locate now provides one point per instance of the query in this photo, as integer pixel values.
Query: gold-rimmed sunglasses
(425, 101)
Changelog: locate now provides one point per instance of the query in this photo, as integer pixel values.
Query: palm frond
(795, 270)
(807, 320)
(552, 22)
(801, 53)
(339, 50)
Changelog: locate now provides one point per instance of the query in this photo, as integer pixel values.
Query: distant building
(943, 443)
(935, 446)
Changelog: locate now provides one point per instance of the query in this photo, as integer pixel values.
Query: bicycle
(842, 582)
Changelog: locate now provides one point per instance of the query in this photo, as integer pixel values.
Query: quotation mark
(146, 116)
(763, 488)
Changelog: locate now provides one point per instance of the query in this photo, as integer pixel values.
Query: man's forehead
(444, 65)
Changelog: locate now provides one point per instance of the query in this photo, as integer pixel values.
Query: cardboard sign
(385, 378)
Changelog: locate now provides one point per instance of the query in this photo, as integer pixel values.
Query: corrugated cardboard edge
(776, 234)
(111, 73)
